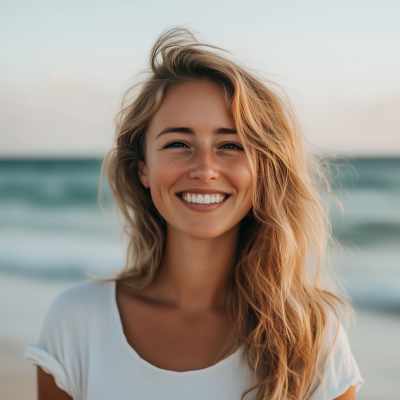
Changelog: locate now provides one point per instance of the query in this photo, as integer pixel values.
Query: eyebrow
(190, 131)
(222, 131)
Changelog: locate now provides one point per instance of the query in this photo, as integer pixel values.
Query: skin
(180, 322)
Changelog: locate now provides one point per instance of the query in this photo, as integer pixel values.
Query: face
(197, 171)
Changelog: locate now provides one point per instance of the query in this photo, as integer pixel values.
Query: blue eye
(175, 145)
(231, 146)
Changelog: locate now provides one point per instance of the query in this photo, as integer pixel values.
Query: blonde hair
(279, 308)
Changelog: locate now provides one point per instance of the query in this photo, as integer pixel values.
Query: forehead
(198, 105)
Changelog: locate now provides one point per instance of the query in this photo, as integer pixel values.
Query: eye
(231, 146)
(176, 144)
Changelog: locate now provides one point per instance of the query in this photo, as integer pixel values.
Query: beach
(53, 233)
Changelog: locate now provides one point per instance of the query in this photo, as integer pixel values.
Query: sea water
(51, 225)
(53, 232)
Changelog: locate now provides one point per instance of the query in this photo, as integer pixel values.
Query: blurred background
(63, 68)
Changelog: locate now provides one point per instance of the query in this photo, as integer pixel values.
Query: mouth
(196, 198)
(205, 202)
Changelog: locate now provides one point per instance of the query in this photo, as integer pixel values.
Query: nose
(204, 167)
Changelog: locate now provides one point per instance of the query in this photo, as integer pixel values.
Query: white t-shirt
(83, 346)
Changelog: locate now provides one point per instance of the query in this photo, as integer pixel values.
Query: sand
(17, 376)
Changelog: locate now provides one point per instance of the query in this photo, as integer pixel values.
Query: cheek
(163, 174)
(240, 175)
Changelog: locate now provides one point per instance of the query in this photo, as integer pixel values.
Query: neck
(196, 274)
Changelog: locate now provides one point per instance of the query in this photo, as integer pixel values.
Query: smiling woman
(203, 158)
(216, 300)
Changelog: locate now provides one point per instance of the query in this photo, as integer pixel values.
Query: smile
(203, 199)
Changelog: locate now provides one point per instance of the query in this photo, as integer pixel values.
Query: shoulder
(336, 340)
(72, 322)
(81, 298)
(74, 309)
(337, 365)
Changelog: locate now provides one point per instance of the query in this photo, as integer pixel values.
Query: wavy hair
(279, 306)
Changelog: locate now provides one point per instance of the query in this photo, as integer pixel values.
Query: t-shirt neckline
(226, 361)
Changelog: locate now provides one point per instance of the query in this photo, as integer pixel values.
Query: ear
(143, 174)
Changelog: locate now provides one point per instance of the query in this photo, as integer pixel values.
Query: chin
(204, 232)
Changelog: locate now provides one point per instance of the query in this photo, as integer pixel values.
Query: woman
(217, 300)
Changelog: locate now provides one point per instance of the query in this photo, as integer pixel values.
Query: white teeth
(203, 199)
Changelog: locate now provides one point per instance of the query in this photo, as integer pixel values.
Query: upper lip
(203, 191)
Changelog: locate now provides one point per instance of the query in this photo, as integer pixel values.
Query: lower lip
(203, 207)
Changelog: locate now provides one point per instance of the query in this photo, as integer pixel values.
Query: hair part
(279, 307)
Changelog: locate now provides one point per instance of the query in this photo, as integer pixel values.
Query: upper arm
(349, 395)
(61, 345)
(47, 388)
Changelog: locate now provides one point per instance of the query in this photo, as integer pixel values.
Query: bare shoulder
(47, 387)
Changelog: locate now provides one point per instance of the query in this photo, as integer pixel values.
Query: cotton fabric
(83, 346)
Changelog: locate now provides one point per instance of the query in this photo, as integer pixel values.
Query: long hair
(279, 306)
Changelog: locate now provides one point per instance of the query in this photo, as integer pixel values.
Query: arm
(349, 395)
(47, 388)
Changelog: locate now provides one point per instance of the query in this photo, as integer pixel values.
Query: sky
(65, 64)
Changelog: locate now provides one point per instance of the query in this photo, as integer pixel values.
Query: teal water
(51, 226)
(368, 231)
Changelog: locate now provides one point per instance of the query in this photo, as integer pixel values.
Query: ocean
(53, 232)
